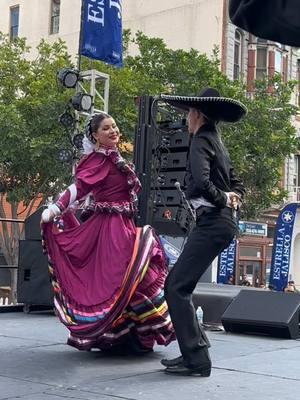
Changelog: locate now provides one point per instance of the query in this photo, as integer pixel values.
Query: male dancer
(213, 190)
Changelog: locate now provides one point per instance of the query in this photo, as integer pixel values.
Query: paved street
(37, 365)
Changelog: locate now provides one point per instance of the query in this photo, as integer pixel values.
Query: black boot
(203, 370)
(171, 362)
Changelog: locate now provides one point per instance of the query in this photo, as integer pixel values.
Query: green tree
(30, 105)
(261, 142)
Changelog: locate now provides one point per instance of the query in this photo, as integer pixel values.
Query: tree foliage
(31, 136)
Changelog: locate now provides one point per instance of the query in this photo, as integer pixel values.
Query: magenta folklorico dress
(107, 274)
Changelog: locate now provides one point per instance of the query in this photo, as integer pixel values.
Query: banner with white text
(280, 265)
(102, 31)
(226, 263)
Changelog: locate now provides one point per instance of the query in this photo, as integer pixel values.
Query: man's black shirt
(209, 170)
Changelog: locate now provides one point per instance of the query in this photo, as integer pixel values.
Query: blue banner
(102, 31)
(279, 274)
(226, 263)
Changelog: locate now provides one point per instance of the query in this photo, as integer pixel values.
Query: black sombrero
(211, 104)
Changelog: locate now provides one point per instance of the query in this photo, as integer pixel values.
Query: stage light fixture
(82, 102)
(68, 77)
(65, 156)
(67, 119)
(77, 140)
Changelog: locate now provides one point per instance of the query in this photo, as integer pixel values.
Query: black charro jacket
(209, 171)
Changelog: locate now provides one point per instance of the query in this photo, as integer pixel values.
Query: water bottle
(199, 314)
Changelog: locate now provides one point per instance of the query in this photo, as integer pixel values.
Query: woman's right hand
(49, 214)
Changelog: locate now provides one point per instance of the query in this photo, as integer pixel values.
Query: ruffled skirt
(108, 278)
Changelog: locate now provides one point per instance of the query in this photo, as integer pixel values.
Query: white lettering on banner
(223, 264)
(282, 255)
(227, 260)
(96, 11)
(117, 4)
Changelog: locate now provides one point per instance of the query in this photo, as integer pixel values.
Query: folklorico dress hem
(107, 274)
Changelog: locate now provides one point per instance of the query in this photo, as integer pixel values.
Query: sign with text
(253, 228)
(102, 31)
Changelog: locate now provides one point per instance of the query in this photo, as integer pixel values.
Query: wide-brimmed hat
(211, 104)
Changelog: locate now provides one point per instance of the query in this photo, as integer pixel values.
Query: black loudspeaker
(32, 225)
(160, 157)
(263, 312)
(34, 286)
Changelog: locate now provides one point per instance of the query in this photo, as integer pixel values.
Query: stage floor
(35, 364)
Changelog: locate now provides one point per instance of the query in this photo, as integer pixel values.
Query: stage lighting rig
(67, 119)
(82, 102)
(68, 77)
(65, 156)
(78, 141)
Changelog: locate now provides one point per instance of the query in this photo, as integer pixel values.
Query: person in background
(245, 280)
(230, 280)
(291, 288)
(262, 285)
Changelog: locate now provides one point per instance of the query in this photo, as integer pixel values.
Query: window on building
(249, 251)
(55, 14)
(14, 22)
(261, 58)
(278, 58)
(278, 61)
(237, 58)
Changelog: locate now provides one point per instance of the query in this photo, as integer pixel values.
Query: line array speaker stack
(262, 312)
(160, 158)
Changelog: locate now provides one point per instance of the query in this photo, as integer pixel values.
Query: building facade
(185, 24)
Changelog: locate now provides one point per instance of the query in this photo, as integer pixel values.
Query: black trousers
(213, 232)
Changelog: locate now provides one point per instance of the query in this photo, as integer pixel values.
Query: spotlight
(68, 77)
(67, 119)
(77, 140)
(65, 156)
(82, 102)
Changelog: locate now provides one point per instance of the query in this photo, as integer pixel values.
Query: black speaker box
(34, 286)
(166, 197)
(168, 179)
(32, 225)
(175, 141)
(174, 221)
(172, 161)
(263, 312)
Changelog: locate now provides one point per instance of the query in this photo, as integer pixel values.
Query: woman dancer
(107, 274)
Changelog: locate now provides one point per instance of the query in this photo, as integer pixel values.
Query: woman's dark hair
(93, 125)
